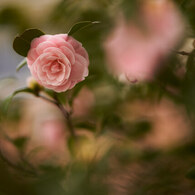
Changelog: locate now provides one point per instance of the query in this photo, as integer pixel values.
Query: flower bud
(33, 84)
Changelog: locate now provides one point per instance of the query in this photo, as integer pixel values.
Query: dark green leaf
(191, 173)
(30, 34)
(188, 85)
(22, 42)
(61, 97)
(20, 142)
(86, 125)
(50, 92)
(21, 64)
(191, 64)
(129, 8)
(70, 144)
(81, 25)
(138, 129)
(21, 46)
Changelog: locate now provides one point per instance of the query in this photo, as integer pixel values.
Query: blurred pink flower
(57, 62)
(83, 103)
(52, 133)
(136, 50)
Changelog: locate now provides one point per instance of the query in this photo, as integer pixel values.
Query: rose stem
(64, 112)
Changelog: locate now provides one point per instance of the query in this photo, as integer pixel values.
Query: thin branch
(15, 166)
(66, 114)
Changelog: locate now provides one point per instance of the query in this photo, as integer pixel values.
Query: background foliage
(117, 150)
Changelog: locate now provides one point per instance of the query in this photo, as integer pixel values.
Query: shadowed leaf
(20, 142)
(22, 42)
(191, 173)
(81, 25)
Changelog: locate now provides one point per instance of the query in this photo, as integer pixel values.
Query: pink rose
(57, 62)
(135, 51)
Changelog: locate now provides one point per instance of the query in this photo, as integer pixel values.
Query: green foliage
(188, 85)
(14, 16)
(22, 42)
(86, 125)
(130, 8)
(20, 142)
(80, 25)
(139, 129)
(187, 7)
(191, 173)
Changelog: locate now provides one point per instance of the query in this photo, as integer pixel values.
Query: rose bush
(57, 62)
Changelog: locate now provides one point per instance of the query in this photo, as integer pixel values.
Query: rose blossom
(135, 51)
(57, 62)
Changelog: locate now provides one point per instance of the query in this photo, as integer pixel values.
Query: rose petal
(32, 55)
(78, 72)
(44, 45)
(68, 53)
(35, 42)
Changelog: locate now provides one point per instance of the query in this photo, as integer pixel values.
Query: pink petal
(44, 45)
(76, 45)
(78, 72)
(69, 54)
(35, 42)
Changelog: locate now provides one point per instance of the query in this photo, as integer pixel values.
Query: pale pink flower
(52, 133)
(57, 62)
(136, 50)
(83, 103)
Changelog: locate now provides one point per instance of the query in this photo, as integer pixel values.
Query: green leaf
(21, 64)
(129, 8)
(81, 25)
(22, 43)
(139, 129)
(188, 84)
(30, 34)
(20, 142)
(86, 125)
(49, 92)
(61, 97)
(191, 173)
(190, 66)
(21, 46)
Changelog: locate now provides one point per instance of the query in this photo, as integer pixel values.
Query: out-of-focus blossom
(83, 102)
(170, 125)
(52, 133)
(135, 51)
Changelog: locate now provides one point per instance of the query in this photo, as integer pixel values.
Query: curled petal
(44, 45)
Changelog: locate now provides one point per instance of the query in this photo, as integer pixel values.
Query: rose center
(56, 67)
